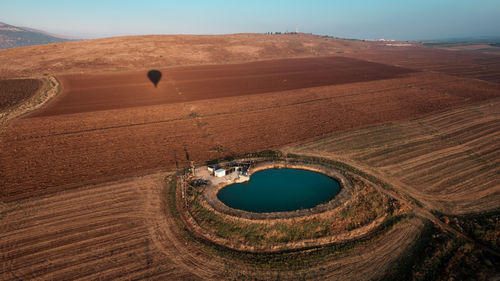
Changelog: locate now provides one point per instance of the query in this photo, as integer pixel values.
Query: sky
(360, 19)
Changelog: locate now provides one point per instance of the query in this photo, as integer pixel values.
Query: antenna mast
(297, 28)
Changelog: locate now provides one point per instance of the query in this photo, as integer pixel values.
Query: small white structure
(210, 169)
(220, 173)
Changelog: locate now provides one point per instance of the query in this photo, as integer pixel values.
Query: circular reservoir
(280, 190)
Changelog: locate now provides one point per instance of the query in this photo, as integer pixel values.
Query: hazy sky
(389, 19)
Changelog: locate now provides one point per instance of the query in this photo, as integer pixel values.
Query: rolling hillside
(13, 36)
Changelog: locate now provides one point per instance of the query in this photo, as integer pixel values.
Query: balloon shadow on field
(154, 76)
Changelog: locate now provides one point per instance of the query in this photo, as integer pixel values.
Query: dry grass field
(158, 51)
(120, 230)
(449, 161)
(82, 189)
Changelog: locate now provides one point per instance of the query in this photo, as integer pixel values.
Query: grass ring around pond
(355, 212)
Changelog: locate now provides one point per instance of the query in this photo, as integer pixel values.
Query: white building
(220, 173)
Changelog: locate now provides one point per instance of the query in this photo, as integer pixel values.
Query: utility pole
(297, 28)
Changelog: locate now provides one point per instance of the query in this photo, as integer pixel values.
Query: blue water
(280, 190)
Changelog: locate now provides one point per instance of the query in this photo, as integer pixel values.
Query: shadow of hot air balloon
(155, 76)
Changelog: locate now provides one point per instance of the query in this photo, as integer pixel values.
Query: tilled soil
(93, 92)
(448, 160)
(15, 91)
(437, 144)
(43, 154)
(122, 230)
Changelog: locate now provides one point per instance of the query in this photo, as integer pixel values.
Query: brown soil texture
(438, 144)
(15, 91)
(123, 230)
(50, 153)
(462, 64)
(134, 53)
(448, 161)
(85, 93)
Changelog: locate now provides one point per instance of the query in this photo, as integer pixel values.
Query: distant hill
(13, 36)
(146, 52)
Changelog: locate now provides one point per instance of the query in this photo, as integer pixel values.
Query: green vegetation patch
(436, 255)
(366, 206)
(482, 227)
(286, 259)
(297, 260)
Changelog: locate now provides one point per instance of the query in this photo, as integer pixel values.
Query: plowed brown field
(423, 120)
(15, 91)
(461, 64)
(50, 151)
(84, 93)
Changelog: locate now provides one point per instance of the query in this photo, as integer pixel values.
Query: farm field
(483, 47)
(15, 91)
(448, 161)
(462, 64)
(84, 93)
(120, 231)
(43, 153)
(83, 190)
